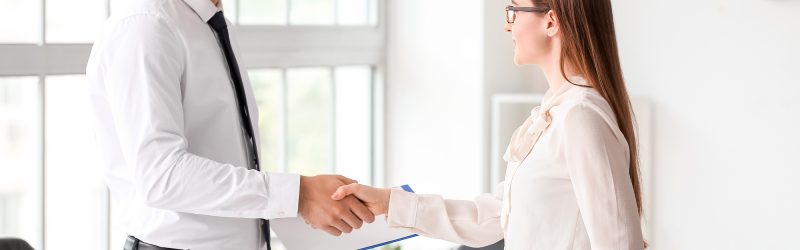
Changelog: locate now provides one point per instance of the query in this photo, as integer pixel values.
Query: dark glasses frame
(511, 11)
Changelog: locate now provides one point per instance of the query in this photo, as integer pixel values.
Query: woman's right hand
(376, 199)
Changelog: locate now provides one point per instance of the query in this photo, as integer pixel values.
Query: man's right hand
(321, 212)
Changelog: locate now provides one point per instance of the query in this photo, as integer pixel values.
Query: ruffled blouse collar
(526, 136)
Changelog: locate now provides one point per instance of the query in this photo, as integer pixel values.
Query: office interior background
(425, 93)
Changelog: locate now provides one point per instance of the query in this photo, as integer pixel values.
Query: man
(176, 123)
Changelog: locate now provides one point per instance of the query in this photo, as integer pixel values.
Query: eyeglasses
(511, 11)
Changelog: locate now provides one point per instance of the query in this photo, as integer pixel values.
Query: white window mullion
(42, 157)
(333, 120)
(45, 59)
(372, 115)
(42, 127)
(44, 23)
(336, 12)
(238, 6)
(310, 46)
(284, 128)
(368, 10)
(377, 169)
(288, 12)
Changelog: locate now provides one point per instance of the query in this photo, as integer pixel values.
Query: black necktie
(217, 22)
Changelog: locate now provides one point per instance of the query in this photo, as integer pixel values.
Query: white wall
(433, 99)
(433, 94)
(721, 77)
(442, 68)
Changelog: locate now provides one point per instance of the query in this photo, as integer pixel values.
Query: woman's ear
(552, 23)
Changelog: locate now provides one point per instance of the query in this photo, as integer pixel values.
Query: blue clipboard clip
(407, 189)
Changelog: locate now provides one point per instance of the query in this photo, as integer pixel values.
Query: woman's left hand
(376, 199)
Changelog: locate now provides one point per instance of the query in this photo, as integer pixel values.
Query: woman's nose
(507, 27)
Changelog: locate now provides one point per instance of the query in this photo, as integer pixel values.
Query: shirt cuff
(284, 195)
(402, 209)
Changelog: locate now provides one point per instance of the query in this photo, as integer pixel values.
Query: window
(26, 15)
(74, 21)
(20, 159)
(352, 116)
(304, 12)
(316, 120)
(260, 12)
(314, 66)
(75, 188)
(309, 95)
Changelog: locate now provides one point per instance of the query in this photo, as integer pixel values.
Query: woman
(572, 177)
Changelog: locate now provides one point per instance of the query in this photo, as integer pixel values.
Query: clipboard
(297, 235)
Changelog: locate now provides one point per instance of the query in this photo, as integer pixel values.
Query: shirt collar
(205, 9)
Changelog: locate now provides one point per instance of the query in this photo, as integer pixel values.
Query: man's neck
(215, 2)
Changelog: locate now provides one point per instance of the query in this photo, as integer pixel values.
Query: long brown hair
(590, 44)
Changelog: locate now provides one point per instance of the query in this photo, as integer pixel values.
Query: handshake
(336, 204)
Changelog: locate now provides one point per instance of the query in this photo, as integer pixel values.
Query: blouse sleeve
(597, 160)
(473, 223)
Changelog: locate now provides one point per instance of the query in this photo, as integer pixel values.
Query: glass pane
(267, 87)
(352, 12)
(74, 21)
(270, 12)
(312, 12)
(75, 190)
(20, 160)
(309, 120)
(353, 114)
(26, 17)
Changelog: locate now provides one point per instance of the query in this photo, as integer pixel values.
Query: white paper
(297, 235)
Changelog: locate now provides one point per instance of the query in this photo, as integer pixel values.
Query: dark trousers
(132, 243)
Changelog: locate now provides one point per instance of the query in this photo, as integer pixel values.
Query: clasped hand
(336, 204)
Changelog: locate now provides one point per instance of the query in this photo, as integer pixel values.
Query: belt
(132, 243)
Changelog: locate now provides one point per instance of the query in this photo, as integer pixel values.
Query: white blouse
(566, 186)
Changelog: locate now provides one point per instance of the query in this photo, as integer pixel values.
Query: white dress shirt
(170, 134)
(566, 186)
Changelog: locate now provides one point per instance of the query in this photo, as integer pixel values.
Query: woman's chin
(518, 61)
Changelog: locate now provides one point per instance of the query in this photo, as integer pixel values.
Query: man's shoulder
(142, 21)
(144, 15)
(133, 9)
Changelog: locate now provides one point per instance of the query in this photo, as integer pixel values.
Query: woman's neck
(554, 74)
